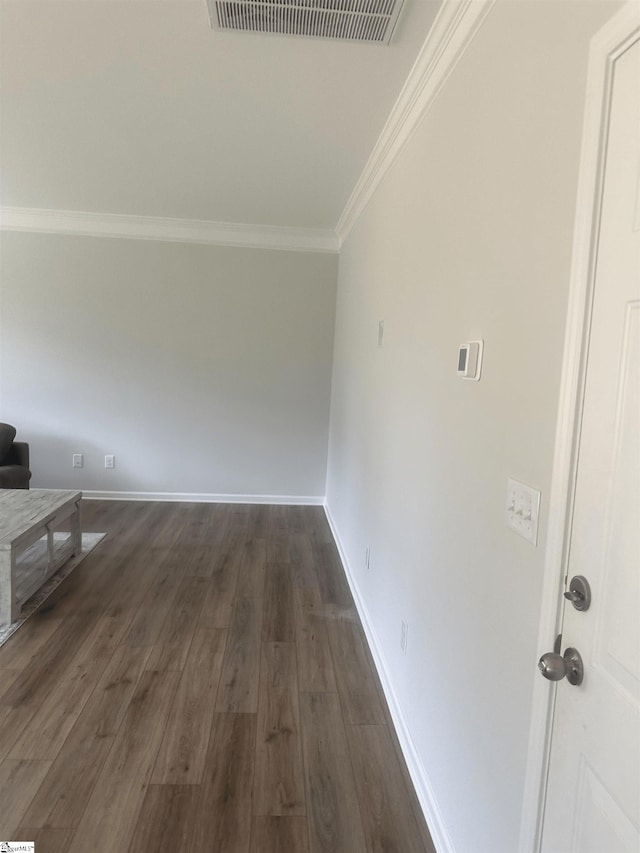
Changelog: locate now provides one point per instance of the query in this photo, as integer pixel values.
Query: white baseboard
(419, 776)
(199, 497)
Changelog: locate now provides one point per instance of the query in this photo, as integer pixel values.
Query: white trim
(200, 497)
(419, 776)
(169, 230)
(455, 26)
(606, 46)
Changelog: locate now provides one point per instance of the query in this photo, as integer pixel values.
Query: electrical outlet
(404, 630)
(109, 461)
(367, 558)
(380, 332)
(78, 460)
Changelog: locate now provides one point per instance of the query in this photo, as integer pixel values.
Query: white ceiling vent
(352, 20)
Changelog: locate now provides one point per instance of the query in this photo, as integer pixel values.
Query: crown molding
(168, 230)
(455, 26)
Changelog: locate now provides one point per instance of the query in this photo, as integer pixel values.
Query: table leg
(50, 550)
(76, 533)
(9, 609)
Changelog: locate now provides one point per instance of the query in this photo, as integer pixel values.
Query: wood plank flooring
(201, 683)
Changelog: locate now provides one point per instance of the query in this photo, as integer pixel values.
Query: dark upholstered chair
(14, 460)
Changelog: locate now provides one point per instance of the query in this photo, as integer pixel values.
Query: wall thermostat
(470, 360)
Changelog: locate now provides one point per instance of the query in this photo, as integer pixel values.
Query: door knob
(555, 667)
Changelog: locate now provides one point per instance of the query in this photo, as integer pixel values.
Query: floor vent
(370, 21)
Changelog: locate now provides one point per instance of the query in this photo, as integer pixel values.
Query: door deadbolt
(579, 593)
(554, 667)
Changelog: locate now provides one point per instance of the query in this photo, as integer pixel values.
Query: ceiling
(137, 107)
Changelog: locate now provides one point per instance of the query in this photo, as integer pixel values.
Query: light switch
(523, 508)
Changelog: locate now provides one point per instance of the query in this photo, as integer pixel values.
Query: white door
(593, 793)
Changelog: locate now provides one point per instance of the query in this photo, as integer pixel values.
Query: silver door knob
(555, 667)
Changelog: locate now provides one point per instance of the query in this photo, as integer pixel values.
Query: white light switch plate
(523, 508)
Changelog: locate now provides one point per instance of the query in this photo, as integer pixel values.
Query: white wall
(469, 236)
(203, 369)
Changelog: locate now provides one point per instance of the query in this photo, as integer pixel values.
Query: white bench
(27, 515)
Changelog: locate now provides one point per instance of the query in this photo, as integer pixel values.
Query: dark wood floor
(201, 683)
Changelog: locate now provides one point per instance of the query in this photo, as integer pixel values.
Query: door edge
(606, 45)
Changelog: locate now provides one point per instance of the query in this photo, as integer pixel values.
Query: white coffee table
(27, 515)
